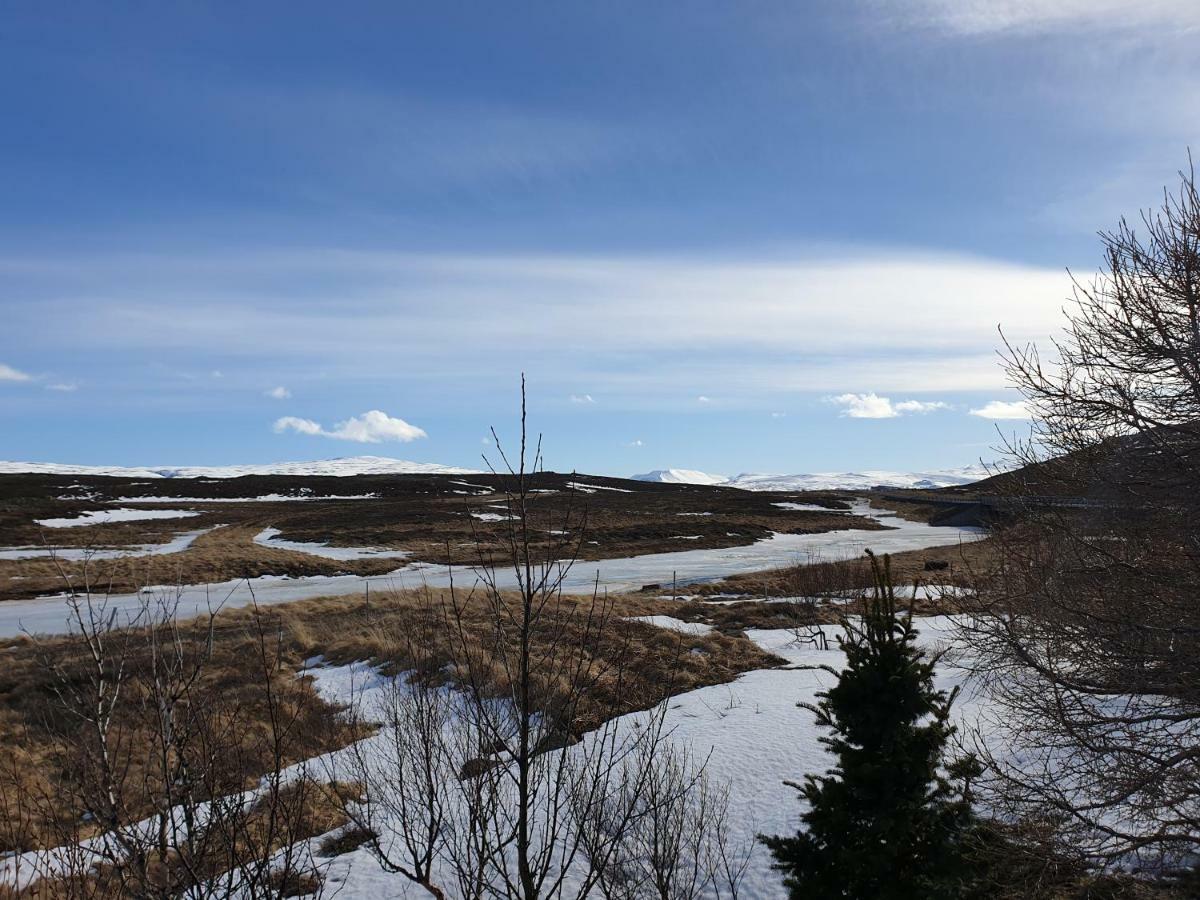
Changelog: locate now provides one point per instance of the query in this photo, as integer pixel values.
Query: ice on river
(49, 614)
(177, 544)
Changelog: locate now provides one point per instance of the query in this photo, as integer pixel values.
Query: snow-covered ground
(751, 731)
(49, 614)
(268, 537)
(823, 481)
(349, 465)
(103, 516)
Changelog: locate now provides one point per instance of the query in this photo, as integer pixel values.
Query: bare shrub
(1086, 629)
(167, 781)
(500, 746)
(664, 832)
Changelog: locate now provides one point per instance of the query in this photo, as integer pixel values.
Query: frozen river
(49, 615)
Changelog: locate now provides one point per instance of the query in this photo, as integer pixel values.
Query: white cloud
(871, 406)
(279, 393)
(8, 373)
(703, 399)
(301, 426)
(65, 387)
(865, 406)
(1003, 409)
(635, 443)
(778, 415)
(371, 427)
(582, 398)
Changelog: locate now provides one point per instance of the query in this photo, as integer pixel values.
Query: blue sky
(732, 237)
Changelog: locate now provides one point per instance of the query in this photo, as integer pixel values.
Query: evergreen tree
(885, 822)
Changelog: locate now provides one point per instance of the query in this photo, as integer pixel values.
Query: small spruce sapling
(890, 819)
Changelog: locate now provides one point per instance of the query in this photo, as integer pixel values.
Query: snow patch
(489, 517)
(670, 623)
(268, 537)
(104, 516)
(806, 507)
(592, 488)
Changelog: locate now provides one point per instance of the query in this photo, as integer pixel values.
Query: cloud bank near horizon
(635, 329)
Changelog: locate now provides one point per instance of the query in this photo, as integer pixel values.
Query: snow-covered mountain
(823, 481)
(680, 476)
(382, 465)
(350, 465)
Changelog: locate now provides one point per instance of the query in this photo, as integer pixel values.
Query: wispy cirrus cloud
(642, 329)
(372, 427)
(871, 406)
(983, 17)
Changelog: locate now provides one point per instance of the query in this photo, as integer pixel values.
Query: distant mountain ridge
(823, 481)
(680, 476)
(342, 466)
(382, 465)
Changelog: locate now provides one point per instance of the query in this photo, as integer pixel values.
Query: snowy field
(751, 731)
